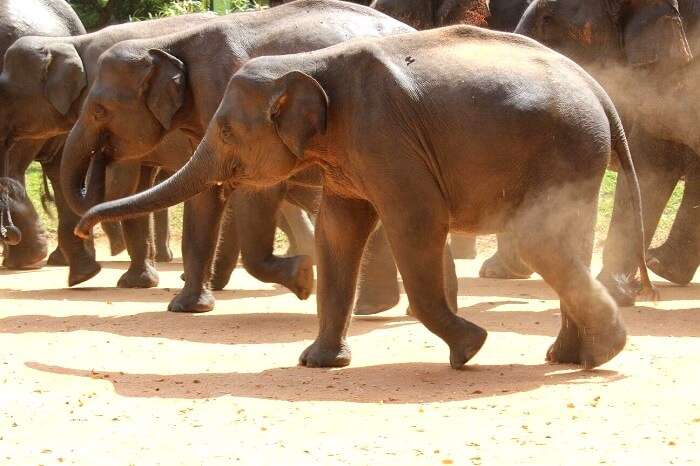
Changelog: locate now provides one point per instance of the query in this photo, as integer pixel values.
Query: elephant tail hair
(621, 148)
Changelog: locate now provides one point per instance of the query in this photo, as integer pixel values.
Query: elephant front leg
(82, 264)
(227, 250)
(256, 215)
(139, 244)
(342, 229)
(161, 222)
(202, 218)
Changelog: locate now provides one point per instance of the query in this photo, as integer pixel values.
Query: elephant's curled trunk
(190, 180)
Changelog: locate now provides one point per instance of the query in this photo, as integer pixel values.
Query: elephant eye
(99, 112)
(226, 133)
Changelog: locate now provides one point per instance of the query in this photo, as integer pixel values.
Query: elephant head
(20, 228)
(636, 33)
(40, 85)
(128, 111)
(262, 134)
(427, 14)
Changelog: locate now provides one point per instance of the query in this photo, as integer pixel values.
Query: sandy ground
(101, 376)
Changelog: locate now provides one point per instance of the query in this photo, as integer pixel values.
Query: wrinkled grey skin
(17, 19)
(48, 76)
(642, 53)
(161, 82)
(441, 142)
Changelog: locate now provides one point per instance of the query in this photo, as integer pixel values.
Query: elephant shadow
(536, 288)
(233, 329)
(387, 383)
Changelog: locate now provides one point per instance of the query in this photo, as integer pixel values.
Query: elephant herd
(392, 123)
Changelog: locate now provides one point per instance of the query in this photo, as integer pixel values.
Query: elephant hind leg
(559, 248)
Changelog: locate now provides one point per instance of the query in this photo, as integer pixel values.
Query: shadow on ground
(389, 383)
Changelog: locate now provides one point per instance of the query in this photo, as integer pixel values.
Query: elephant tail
(46, 196)
(621, 148)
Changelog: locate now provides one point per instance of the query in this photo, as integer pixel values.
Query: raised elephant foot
(469, 343)
(192, 301)
(301, 281)
(144, 276)
(219, 280)
(82, 271)
(320, 355)
(116, 246)
(164, 254)
(670, 266)
(496, 267)
(622, 288)
(565, 350)
(599, 346)
(57, 259)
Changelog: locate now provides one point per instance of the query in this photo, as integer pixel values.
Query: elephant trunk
(200, 172)
(83, 159)
(527, 21)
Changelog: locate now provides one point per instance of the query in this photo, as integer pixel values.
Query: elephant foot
(164, 254)
(670, 267)
(302, 277)
(369, 308)
(219, 280)
(192, 301)
(320, 355)
(144, 276)
(622, 288)
(82, 271)
(564, 352)
(496, 267)
(599, 347)
(57, 259)
(465, 347)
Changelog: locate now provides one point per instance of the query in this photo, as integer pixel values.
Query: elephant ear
(473, 12)
(654, 35)
(298, 110)
(165, 86)
(65, 77)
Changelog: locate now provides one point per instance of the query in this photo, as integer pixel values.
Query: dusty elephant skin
(160, 84)
(48, 76)
(415, 176)
(642, 53)
(427, 14)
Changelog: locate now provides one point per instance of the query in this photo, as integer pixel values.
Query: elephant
(48, 76)
(648, 43)
(450, 129)
(426, 14)
(17, 19)
(180, 88)
(282, 2)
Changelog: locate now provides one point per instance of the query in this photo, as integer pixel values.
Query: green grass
(607, 194)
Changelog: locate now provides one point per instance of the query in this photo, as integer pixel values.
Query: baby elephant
(458, 128)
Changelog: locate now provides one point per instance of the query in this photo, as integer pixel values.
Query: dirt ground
(102, 376)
